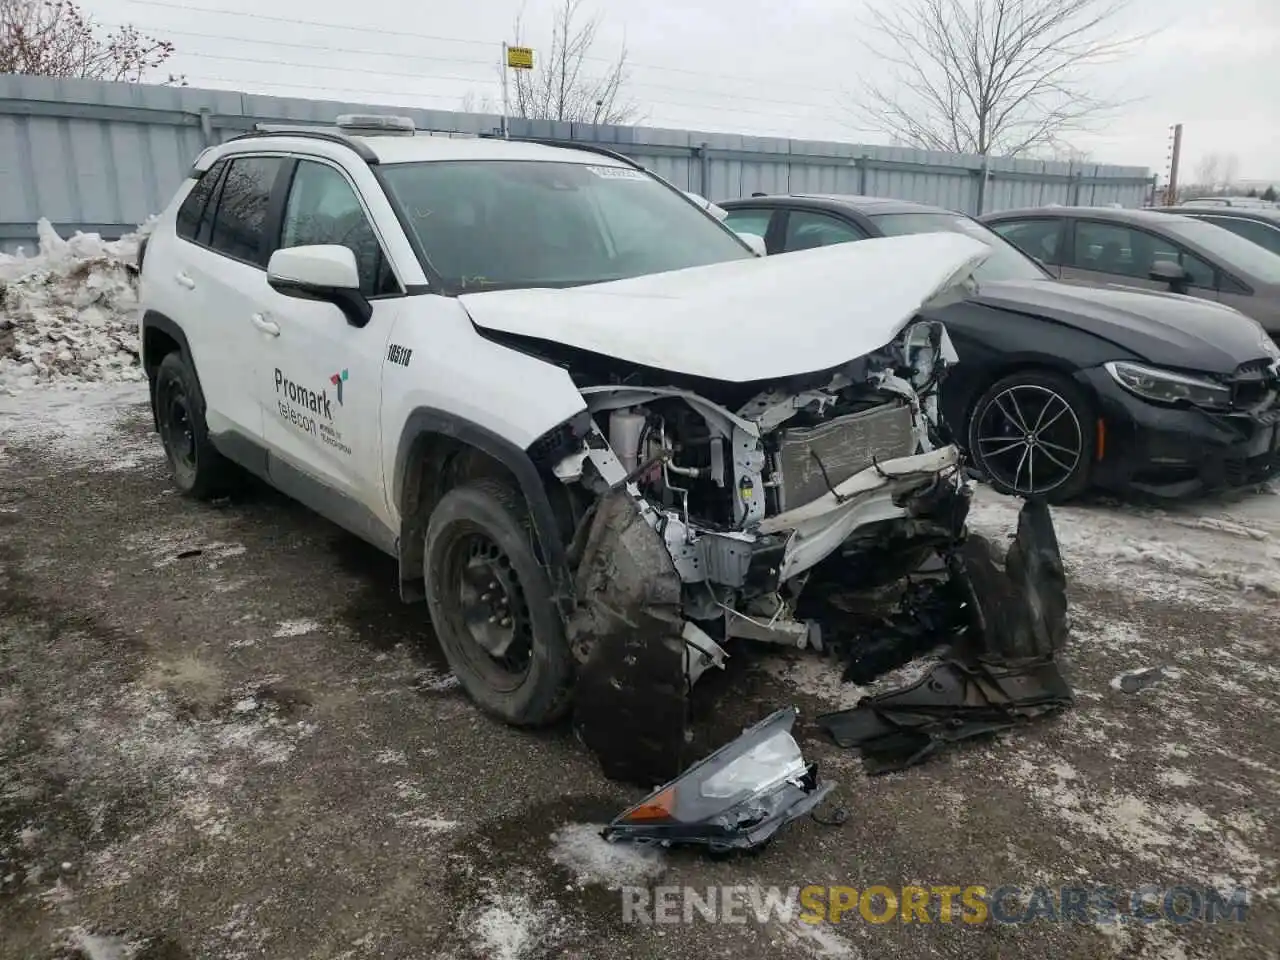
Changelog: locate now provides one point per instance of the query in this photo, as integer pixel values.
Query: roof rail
(316, 133)
(569, 145)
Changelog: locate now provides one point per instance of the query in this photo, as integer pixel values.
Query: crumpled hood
(1161, 328)
(745, 320)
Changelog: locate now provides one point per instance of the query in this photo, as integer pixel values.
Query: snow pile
(70, 311)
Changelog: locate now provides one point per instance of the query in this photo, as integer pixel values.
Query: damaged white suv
(601, 436)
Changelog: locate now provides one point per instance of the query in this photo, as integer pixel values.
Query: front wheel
(491, 605)
(1032, 434)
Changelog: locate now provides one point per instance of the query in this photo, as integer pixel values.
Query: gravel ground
(221, 736)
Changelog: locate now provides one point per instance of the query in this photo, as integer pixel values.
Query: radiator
(845, 445)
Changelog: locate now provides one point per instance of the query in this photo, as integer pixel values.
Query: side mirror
(1166, 271)
(755, 242)
(323, 272)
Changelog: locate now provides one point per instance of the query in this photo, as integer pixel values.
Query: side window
(193, 207)
(1036, 238)
(239, 224)
(323, 209)
(806, 230)
(1201, 273)
(1264, 235)
(749, 221)
(1110, 248)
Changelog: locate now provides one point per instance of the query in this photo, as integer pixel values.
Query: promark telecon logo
(317, 401)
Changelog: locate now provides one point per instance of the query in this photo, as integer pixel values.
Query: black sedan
(1062, 387)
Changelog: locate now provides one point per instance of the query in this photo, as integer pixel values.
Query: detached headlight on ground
(738, 797)
(1168, 386)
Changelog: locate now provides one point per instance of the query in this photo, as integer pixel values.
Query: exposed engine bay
(707, 519)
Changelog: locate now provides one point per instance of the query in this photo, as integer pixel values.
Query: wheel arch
(1020, 363)
(160, 337)
(436, 450)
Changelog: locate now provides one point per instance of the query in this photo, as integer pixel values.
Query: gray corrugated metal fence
(103, 157)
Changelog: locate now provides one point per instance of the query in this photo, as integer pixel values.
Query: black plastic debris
(1006, 623)
(1139, 680)
(737, 798)
(953, 701)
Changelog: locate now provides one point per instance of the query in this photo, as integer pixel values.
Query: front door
(320, 377)
(1103, 254)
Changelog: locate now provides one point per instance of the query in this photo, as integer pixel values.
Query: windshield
(1006, 262)
(484, 224)
(1233, 252)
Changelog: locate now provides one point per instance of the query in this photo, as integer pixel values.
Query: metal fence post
(206, 126)
(704, 169)
(860, 163)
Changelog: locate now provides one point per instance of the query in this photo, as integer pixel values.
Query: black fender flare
(154, 320)
(424, 423)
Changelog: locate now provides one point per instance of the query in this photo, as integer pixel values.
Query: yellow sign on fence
(520, 58)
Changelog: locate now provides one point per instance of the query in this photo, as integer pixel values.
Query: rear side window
(239, 225)
(806, 230)
(1038, 238)
(193, 207)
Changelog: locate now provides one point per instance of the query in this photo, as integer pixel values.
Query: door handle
(185, 281)
(265, 325)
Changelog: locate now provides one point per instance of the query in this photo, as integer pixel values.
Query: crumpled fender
(630, 706)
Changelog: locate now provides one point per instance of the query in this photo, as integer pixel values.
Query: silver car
(1105, 246)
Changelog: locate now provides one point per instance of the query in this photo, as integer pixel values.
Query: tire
(199, 471)
(479, 566)
(1057, 417)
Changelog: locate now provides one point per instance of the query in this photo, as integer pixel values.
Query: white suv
(577, 408)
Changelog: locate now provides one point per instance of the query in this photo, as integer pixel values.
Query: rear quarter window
(193, 206)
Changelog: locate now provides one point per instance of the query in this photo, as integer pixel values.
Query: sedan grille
(844, 446)
(1253, 383)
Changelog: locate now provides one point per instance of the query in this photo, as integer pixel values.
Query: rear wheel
(198, 469)
(1033, 434)
(491, 605)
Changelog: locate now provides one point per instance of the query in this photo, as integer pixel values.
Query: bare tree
(1216, 173)
(471, 103)
(563, 85)
(1207, 172)
(55, 38)
(991, 77)
(1230, 170)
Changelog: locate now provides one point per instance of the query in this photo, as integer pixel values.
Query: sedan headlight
(1169, 386)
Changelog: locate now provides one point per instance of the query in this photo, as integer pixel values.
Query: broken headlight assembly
(735, 799)
(927, 351)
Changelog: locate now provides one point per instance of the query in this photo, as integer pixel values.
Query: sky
(756, 67)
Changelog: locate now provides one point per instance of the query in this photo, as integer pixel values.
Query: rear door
(223, 266)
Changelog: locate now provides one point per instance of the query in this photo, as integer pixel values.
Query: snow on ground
(1194, 550)
(69, 311)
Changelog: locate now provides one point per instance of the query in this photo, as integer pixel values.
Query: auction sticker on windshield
(618, 173)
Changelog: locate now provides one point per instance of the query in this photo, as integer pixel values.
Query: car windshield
(1006, 262)
(486, 224)
(1230, 250)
